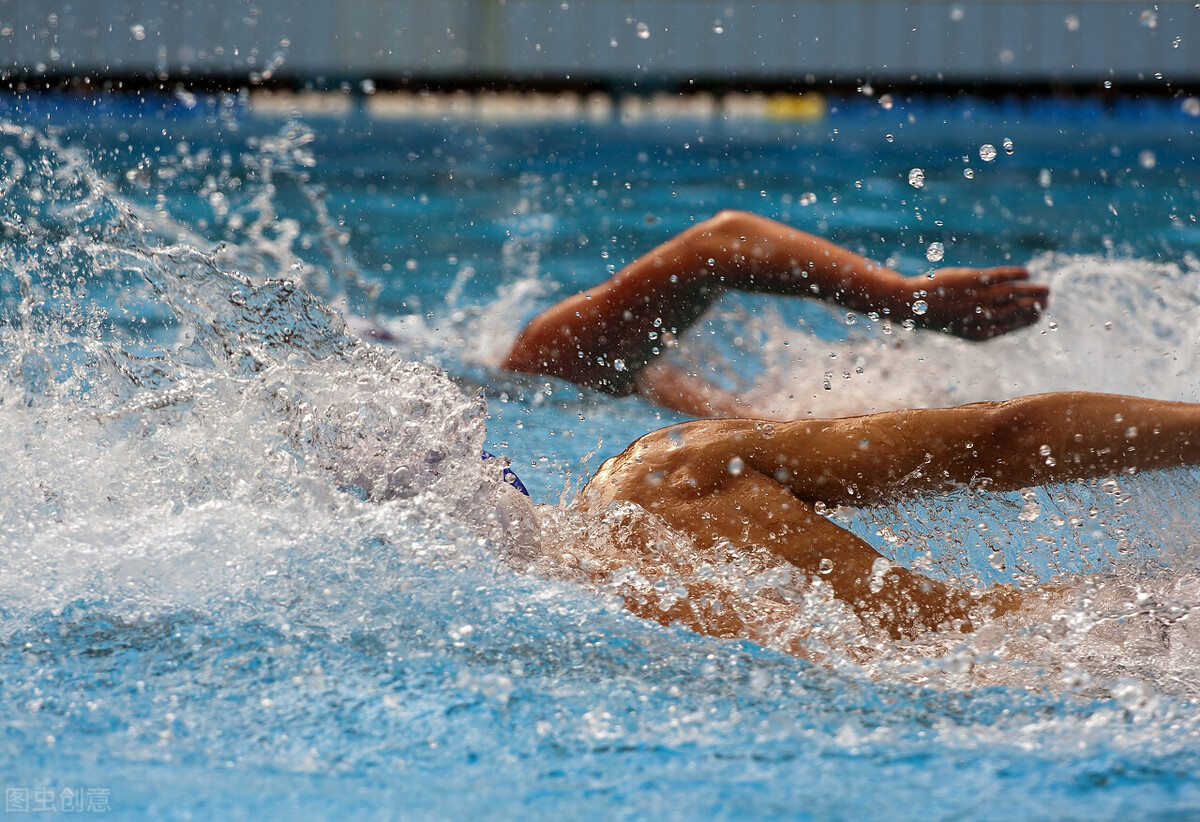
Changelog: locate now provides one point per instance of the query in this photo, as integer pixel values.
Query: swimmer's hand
(976, 303)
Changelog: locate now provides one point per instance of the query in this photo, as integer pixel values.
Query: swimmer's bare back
(743, 482)
(606, 337)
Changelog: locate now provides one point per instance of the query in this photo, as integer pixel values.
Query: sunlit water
(205, 611)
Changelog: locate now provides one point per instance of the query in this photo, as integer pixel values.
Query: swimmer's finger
(1039, 290)
(1023, 308)
(1018, 292)
(1004, 274)
(1020, 316)
(994, 321)
(1024, 313)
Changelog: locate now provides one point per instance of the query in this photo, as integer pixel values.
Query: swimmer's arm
(1005, 445)
(670, 386)
(691, 475)
(746, 252)
(604, 336)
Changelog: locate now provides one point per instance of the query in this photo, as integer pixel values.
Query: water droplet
(1007, 145)
(1044, 450)
(825, 566)
(619, 364)
(736, 466)
(807, 198)
(1147, 160)
(1030, 512)
(718, 28)
(1071, 22)
(969, 173)
(920, 307)
(916, 178)
(886, 102)
(851, 318)
(1149, 19)
(889, 137)
(879, 569)
(996, 559)
(987, 152)
(1191, 106)
(643, 31)
(935, 252)
(138, 31)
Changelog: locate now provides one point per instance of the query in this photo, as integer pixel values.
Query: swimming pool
(198, 622)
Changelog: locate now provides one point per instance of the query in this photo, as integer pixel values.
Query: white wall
(651, 42)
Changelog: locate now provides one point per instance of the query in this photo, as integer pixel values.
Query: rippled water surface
(206, 612)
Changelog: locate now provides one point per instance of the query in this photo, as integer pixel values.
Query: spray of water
(179, 436)
(190, 429)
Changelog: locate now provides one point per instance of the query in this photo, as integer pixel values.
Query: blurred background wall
(626, 44)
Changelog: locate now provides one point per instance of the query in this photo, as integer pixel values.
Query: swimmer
(731, 485)
(608, 337)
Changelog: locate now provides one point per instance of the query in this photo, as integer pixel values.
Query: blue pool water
(198, 621)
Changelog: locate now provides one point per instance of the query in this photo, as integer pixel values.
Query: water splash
(189, 583)
(152, 398)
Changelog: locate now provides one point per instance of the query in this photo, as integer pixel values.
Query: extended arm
(1004, 445)
(605, 336)
(749, 482)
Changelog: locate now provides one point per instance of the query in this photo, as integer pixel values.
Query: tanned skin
(751, 483)
(605, 338)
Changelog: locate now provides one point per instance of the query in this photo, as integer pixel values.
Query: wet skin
(745, 482)
(610, 337)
